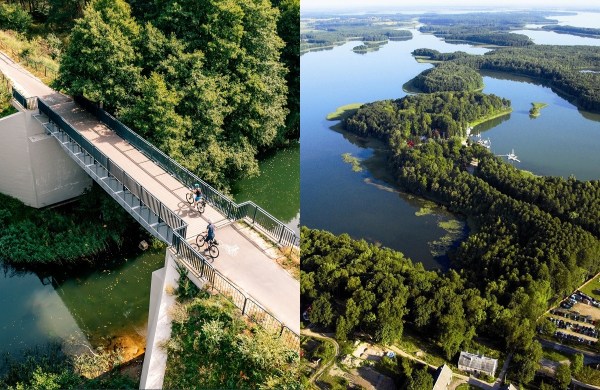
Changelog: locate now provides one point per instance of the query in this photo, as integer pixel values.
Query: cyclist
(211, 232)
(197, 194)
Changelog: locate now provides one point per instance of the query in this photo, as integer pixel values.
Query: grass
(354, 161)
(36, 55)
(343, 112)
(426, 209)
(490, 117)
(430, 352)
(554, 355)
(592, 288)
(466, 386)
(213, 346)
(6, 107)
(535, 109)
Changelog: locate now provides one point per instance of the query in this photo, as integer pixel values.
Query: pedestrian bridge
(152, 188)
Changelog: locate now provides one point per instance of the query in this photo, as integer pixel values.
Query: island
(534, 111)
(343, 112)
(445, 77)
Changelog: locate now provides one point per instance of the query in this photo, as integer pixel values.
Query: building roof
(509, 387)
(478, 362)
(444, 376)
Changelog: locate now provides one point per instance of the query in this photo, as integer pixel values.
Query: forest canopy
(448, 77)
(204, 81)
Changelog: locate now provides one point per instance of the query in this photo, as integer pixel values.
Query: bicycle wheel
(189, 197)
(213, 251)
(200, 207)
(200, 239)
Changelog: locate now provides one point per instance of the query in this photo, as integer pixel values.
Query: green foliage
(571, 30)
(329, 32)
(288, 29)
(6, 107)
(448, 77)
(563, 376)
(91, 66)
(375, 289)
(204, 81)
(13, 17)
(443, 114)
(64, 235)
(556, 66)
(547, 327)
(588, 375)
(577, 363)
(420, 380)
(215, 348)
(49, 368)
(186, 289)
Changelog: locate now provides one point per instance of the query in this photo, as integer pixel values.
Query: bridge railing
(249, 211)
(164, 213)
(192, 257)
(28, 103)
(231, 291)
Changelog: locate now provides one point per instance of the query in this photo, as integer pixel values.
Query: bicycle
(200, 206)
(213, 250)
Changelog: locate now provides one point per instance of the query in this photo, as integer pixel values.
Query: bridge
(152, 188)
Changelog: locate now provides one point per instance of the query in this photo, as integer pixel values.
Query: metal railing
(248, 211)
(194, 259)
(248, 306)
(29, 103)
(149, 200)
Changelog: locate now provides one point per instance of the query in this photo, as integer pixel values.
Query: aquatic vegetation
(354, 161)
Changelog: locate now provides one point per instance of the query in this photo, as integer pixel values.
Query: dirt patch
(587, 310)
(129, 346)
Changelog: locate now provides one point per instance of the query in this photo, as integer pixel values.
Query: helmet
(196, 185)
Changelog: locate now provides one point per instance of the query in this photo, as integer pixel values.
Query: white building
(444, 377)
(470, 362)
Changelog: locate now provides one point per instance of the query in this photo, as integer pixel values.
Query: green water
(111, 301)
(77, 307)
(277, 189)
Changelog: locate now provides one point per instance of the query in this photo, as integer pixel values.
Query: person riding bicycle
(197, 194)
(211, 232)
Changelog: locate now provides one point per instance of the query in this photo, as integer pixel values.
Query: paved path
(240, 258)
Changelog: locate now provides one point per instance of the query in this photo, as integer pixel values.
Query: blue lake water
(561, 141)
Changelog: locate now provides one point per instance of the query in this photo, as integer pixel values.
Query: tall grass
(38, 55)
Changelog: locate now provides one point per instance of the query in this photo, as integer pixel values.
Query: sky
(307, 5)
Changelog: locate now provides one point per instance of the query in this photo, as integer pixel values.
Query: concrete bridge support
(33, 168)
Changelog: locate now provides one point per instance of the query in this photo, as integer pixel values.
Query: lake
(561, 141)
(82, 307)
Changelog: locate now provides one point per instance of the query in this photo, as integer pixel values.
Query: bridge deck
(240, 259)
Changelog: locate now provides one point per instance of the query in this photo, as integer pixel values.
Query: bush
(13, 17)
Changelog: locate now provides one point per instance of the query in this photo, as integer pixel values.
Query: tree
(577, 363)
(563, 376)
(154, 116)
(288, 29)
(420, 380)
(321, 312)
(99, 61)
(13, 17)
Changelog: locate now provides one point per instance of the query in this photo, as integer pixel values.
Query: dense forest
(330, 32)
(212, 96)
(560, 67)
(582, 31)
(527, 248)
(448, 77)
(442, 114)
(484, 28)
